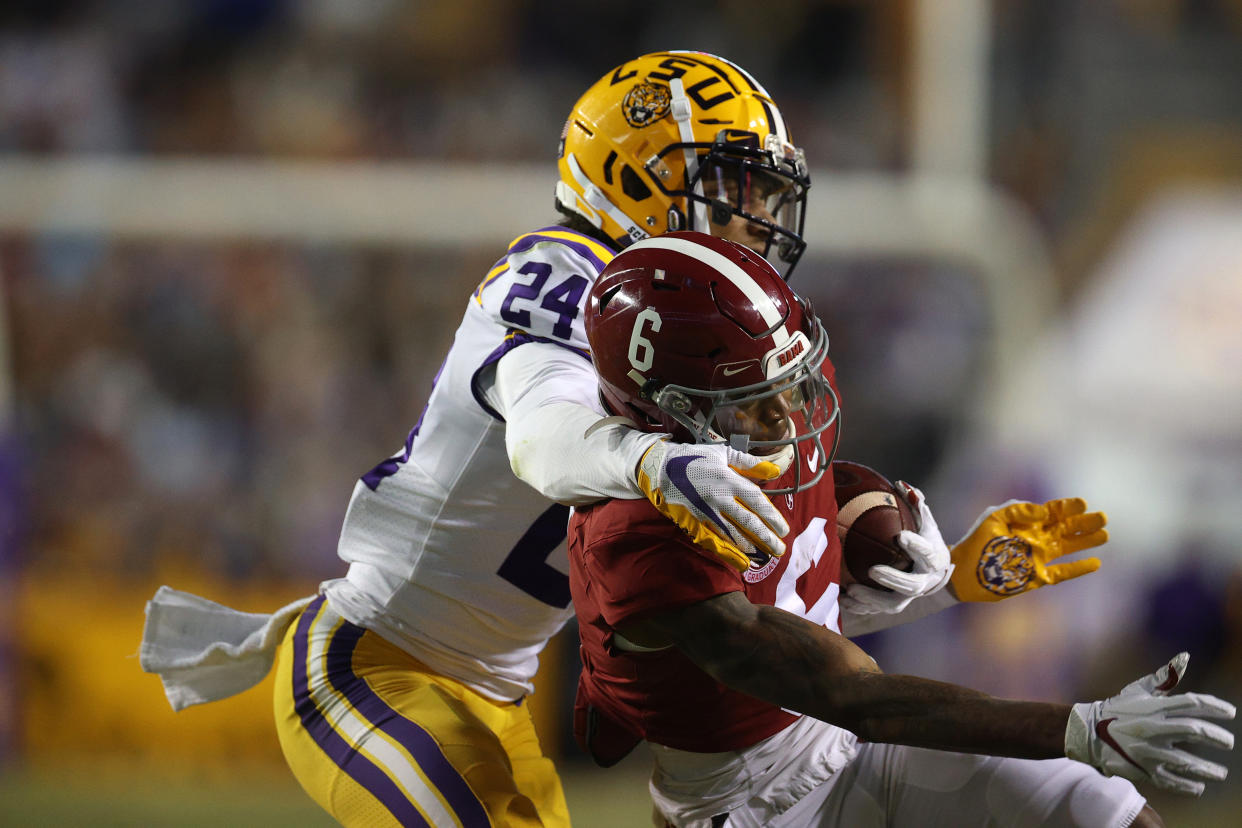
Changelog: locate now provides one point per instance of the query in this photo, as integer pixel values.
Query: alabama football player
(758, 710)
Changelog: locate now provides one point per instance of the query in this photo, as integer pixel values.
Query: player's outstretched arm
(788, 661)
(1012, 548)
(1009, 550)
(561, 442)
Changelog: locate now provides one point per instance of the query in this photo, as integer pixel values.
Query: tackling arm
(553, 431)
(562, 443)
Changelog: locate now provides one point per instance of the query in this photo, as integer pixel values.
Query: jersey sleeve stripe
(586, 247)
(389, 466)
(511, 341)
(497, 269)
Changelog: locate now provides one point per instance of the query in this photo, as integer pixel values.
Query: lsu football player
(714, 668)
(401, 684)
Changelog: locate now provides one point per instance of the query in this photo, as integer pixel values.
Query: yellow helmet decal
(646, 102)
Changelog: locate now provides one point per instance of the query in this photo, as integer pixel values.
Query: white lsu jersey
(451, 557)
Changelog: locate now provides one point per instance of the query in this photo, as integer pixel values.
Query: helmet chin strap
(595, 199)
(783, 457)
(570, 199)
(681, 111)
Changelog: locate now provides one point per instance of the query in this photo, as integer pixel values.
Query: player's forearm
(915, 711)
(790, 662)
(565, 453)
(548, 398)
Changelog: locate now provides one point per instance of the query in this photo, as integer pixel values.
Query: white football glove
(931, 571)
(1133, 733)
(708, 491)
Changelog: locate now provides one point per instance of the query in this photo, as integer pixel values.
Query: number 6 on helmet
(642, 352)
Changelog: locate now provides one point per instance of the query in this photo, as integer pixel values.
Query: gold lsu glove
(1010, 547)
(710, 492)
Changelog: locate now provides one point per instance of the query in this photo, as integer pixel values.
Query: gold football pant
(379, 740)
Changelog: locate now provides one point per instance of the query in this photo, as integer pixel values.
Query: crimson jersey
(628, 561)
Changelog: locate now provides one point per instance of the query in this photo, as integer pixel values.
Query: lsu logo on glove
(1005, 566)
(1013, 547)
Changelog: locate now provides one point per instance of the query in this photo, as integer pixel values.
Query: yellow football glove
(708, 491)
(1008, 550)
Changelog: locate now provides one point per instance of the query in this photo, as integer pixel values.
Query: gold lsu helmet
(667, 140)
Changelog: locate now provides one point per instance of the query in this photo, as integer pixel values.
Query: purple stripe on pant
(409, 735)
(359, 768)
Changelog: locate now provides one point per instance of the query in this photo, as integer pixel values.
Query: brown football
(870, 514)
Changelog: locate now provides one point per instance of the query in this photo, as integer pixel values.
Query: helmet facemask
(769, 419)
(735, 177)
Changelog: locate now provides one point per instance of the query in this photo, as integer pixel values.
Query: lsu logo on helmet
(646, 103)
(1005, 565)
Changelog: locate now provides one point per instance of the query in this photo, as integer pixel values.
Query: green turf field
(113, 797)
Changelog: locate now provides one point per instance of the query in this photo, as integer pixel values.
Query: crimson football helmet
(700, 337)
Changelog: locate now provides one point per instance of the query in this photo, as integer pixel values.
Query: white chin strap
(783, 458)
(680, 108)
(569, 197)
(596, 201)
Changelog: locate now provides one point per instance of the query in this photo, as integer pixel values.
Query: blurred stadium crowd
(211, 403)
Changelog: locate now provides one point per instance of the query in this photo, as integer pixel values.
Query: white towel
(204, 651)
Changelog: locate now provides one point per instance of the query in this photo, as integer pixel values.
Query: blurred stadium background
(237, 235)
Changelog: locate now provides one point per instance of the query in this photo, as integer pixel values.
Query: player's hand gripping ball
(871, 514)
(891, 547)
(1010, 548)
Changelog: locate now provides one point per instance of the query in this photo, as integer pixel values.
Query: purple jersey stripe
(426, 752)
(514, 339)
(359, 768)
(528, 241)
